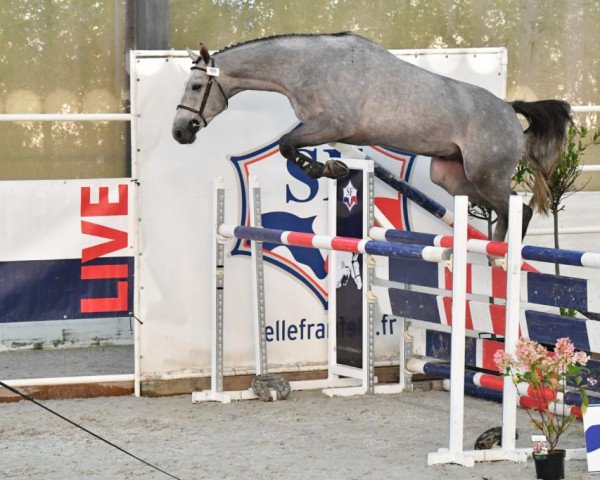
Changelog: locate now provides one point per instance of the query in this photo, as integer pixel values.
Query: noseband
(211, 78)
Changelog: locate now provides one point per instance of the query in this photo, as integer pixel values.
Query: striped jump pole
(343, 244)
(489, 247)
(526, 403)
(495, 383)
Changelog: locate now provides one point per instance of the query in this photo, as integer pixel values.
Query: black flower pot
(551, 466)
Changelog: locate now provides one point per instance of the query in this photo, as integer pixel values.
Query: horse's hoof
(315, 170)
(335, 169)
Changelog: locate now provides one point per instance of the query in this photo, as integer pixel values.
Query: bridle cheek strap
(209, 85)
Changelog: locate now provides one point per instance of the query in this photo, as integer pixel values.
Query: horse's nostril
(178, 134)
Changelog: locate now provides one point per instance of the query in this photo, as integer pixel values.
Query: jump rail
(341, 244)
(489, 247)
(531, 398)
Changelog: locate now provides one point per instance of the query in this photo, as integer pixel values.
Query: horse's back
(429, 113)
(388, 101)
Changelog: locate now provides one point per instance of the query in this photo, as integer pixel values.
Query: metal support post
(258, 282)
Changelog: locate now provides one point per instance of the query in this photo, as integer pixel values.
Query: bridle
(211, 78)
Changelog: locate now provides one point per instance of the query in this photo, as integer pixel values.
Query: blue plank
(547, 328)
(543, 327)
(557, 291)
(437, 345)
(416, 305)
(413, 271)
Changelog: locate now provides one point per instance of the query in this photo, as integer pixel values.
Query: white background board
(174, 210)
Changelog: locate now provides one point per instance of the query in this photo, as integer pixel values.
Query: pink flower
(529, 354)
(563, 352)
(564, 346)
(581, 358)
(502, 360)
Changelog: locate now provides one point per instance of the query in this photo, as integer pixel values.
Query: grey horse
(345, 88)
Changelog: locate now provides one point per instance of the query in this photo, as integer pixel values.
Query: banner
(66, 251)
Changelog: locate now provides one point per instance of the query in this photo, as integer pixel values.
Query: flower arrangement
(543, 376)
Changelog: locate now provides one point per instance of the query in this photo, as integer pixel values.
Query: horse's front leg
(319, 130)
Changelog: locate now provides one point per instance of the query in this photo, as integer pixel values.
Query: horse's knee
(286, 149)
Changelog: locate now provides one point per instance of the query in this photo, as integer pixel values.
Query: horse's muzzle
(186, 134)
(183, 136)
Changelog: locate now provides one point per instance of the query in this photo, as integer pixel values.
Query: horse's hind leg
(502, 224)
(450, 175)
(527, 214)
(319, 130)
(492, 180)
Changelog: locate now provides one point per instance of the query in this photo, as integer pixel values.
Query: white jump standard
(358, 375)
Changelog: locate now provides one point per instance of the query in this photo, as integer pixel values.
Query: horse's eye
(196, 86)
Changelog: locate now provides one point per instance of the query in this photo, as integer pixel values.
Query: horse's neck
(254, 67)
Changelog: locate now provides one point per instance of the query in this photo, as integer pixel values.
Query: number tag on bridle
(212, 71)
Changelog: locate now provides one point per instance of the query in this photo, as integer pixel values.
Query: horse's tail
(544, 139)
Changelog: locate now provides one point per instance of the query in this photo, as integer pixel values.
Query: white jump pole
(216, 392)
(459, 285)
(511, 333)
(455, 453)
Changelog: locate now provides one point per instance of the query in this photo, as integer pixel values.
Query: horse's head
(201, 101)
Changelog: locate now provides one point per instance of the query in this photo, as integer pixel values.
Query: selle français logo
(350, 198)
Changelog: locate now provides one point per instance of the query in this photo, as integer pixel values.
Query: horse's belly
(414, 136)
(417, 145)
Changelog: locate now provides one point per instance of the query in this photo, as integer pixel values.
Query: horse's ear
(194, 56)
(204, 53)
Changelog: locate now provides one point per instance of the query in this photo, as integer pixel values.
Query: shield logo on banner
(293, 201)
(290, 201)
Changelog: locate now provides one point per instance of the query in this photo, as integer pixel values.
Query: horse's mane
(286, 35)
